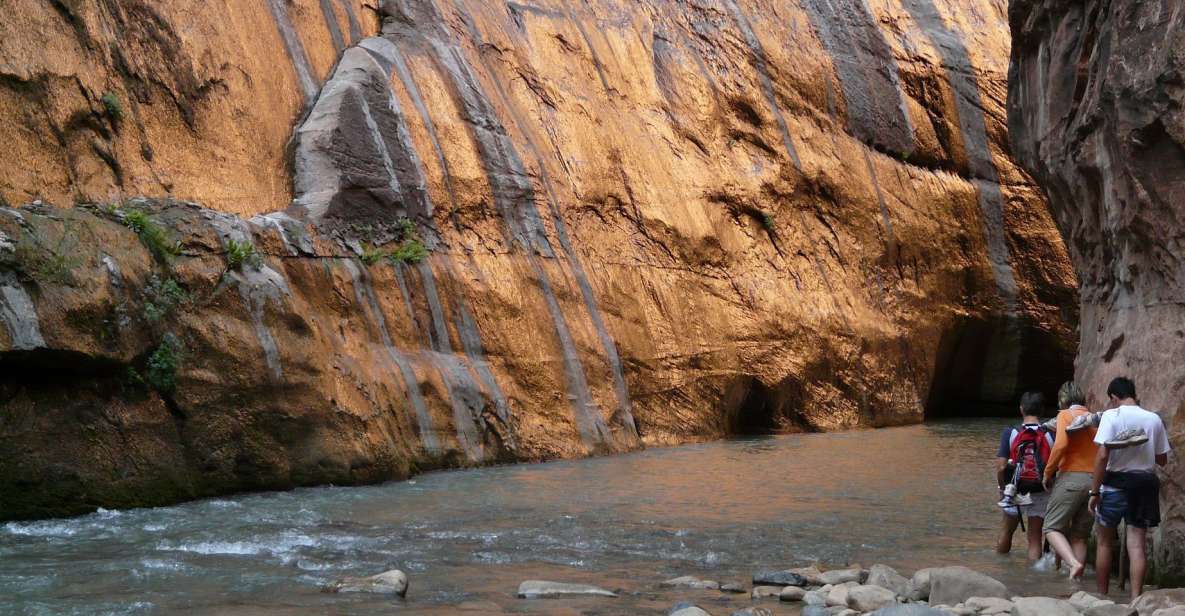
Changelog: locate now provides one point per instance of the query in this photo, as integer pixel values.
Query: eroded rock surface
(1095, 111)
(646, 223)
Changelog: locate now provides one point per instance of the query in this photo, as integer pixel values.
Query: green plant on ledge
(163, 298)
(161, 374)
(243, 253)
(371, 255)
(112, 106)
(410, 251)
(767, 221)
(152, 235)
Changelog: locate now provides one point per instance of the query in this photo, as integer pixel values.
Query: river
(909, 497)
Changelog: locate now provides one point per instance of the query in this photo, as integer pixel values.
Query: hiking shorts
(1036, 510)
(1137, 503)
(1067, 511)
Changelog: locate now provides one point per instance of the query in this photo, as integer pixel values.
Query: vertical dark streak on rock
(295, 49)
(335, 30)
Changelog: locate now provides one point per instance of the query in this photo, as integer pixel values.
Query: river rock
(733, 587)
(1084, 600)
(989, 605)
(952, 585)
(753, 611)
(1042, 606)
(920, 585)
(815, 597)
(1153, 600)
(393, 582)
(687, 609)
(839, 576)
(837, 595)
(533, 589)
(1178, 610)
(910, 609)
(784, 577)
(760, 592)
(688, 581)
(792, 593)
(1113, 609)
(887, 577)
(869, 597)
(819, 610)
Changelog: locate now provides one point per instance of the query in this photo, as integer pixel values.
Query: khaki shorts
(1067, 512)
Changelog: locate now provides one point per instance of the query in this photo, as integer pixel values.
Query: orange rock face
(646, 223)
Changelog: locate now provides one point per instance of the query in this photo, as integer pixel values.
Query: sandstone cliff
(1096, 114)
(644, 223)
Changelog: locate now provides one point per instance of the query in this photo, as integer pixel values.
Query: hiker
(1020, 464)
(1068, 479)
(1125, 485)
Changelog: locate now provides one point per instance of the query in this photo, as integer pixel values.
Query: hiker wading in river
(1020, 462)
(1125, 486)
(1068, 479)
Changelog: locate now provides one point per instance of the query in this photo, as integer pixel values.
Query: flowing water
(910, 497)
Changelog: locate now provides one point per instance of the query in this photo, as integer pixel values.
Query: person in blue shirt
(1031, 406)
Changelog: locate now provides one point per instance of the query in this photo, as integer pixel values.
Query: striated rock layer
(1095, 109)
(646, 223)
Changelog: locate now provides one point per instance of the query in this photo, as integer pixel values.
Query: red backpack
(1029, 452)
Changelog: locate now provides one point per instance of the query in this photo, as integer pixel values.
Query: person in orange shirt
(1068, 475)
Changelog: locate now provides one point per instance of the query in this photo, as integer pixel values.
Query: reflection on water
(909, 497)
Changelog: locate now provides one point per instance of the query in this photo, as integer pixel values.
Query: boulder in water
(869, 597)
(784, 577)
(733, 587)
(1042, 606)
(760, 592)
(533, 589)
(887, 577)
(954, 585)
(393, 582)
(689, 581)
(839, 576)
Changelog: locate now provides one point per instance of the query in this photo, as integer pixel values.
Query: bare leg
(1102, 560)
(1069, 554)
(1135, 553)
(1007, 530)
(1035, 537)
(1079, 546)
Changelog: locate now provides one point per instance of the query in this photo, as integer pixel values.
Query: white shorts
(1036, 510)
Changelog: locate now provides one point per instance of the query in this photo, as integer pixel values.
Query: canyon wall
(1095, 111)
(500, 231)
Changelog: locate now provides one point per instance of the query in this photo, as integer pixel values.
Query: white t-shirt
(1140, 457)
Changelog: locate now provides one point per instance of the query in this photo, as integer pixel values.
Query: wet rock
(867, 598)
(1153, 600)
(951, 585)
(393, 582)
(1170, 611)
(792, 593)
(989, 605)
(733, 588)
(920, 585)
(1042, 606)
(779, 578)
(688, 581)
(840, 576)
(753, 611)
(760, 592)
(887, 577)
(687, 609)
(532, 589)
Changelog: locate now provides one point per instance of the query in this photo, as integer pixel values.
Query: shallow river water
(909, 497)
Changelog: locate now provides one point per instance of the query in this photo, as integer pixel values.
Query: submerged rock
(533, 589)
(688, 581)
(393, 582)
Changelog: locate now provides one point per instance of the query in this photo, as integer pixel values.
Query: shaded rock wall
(1095, 110)
(647, 223)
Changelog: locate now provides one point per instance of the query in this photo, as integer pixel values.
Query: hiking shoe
(1023, 500)
(1127, 438)
(1051, 425)
(1005, 503)
(1089, 420)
